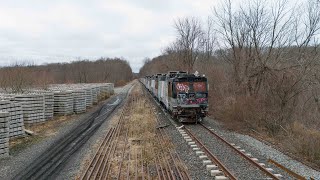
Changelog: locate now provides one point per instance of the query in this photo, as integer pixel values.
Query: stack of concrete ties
(63, 103)
(94, 95)
(104, 91)
(101, 94)
(110, 88)
(48, 103)
(33, 107)
(4, 134)
(98, 92)
(79, 101)
(89, 100)
(16, 124)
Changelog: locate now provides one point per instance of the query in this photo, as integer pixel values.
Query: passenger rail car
(184, 95)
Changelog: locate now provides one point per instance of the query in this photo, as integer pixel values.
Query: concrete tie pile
(110, 88)
(16, 124)
(79, 101)
(89, 100)
(4, 134)
(104, 92)
(63, 103)
(94, 95)
(33, 107)
(101, 94)
(48, 102)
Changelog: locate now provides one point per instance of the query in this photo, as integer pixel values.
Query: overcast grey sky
(44, 31)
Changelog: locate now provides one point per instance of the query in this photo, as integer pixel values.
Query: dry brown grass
(305, 142)
(240, 113)
(143, 138)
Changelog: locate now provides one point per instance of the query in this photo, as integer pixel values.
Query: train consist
(184, 95)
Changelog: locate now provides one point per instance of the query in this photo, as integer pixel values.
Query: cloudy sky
(43, 31)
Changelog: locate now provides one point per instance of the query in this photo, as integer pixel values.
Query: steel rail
(186, 174)
(100, 172)
(166, 162)
(97, 171)
(107, 163)
(166, 165)
(165, 135)
(213, 157)
(295, 175)
(123, 154)
(97, 165)
(270, 174)
(97, 156)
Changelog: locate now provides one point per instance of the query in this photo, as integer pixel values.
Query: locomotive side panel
(164, 96)
(152, 86)
(155, 90)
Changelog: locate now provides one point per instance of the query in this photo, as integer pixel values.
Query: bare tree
(19, 77)
(270, 49)
(189, 41)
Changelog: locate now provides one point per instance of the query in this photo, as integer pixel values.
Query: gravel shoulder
(263, 151)
(195, 166)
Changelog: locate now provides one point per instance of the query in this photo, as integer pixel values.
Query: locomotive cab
(189, 97)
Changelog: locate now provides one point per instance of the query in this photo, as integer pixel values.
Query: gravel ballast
(237, 165)
(263, 152)
(195, 166)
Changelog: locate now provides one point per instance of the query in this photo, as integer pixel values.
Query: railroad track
(122, 155)
(219, 160)
(242, 153)
(222, 172)
(176, 171)
(49, 163)
(219, 168)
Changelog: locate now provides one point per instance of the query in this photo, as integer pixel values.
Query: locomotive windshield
(190, 92)
(190, 87)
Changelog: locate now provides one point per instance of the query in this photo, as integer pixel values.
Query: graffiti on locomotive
(182, 87)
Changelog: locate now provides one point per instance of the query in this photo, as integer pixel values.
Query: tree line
(18, 77)
(262, 62)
